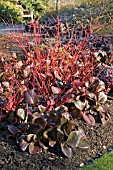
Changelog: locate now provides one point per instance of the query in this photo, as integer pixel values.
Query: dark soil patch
(100, 140)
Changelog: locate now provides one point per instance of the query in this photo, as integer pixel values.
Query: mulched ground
(100, 140)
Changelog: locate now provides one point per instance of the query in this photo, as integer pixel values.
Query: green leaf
(75, 139)
(102, 97)
(21, 113)
(67, 151)
(42, 108)
(29, 137)
(79, 104)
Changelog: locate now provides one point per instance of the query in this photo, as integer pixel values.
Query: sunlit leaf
(33, 149)
(52, 143)
(67, 151)
(75, 137)
(55, 90)
(23, 145)
(79, 104)
(29, 137)
(101, 86)
(83, 144)
(60, 109)
(89, 119)
(21, 113)
(42, 108)
(6, 84)
(102, 97)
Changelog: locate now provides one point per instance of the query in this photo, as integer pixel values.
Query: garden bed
(100, 141)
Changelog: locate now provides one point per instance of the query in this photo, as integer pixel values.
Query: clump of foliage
(46, 93)
(10, 11)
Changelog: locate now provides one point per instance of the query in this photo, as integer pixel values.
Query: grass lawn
(103, 163)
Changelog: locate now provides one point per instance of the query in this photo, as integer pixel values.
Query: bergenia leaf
(75, 137)
(6, 84)
(89, 119)
(42, 108)
(102, 97)
(33, 149)
(101, 86)
(52, 143)
(21, 113)
(80, 105)
(60, 109)
(83, 144)
(29, 137)
(30, 97)
(23, 145)
(100, 109)
(13, 129)
(55, 90)
(67, 151)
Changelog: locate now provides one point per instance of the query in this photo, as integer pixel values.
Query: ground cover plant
(62, 78)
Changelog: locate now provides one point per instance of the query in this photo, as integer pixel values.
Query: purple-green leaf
(75, 138)
(13, 129)
(23, 145)
(30, 97)
(67, 151)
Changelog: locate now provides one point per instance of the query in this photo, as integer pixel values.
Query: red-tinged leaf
(103, 118)
(102, 97)
(89, 119)
(13, 129)
(52, 143)
(19, 64)
(33, 149)
(92, 120)
(6, 84)
(23, 145)
(67, 151)
(55, 90)
(21, 113)
(30, 97)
